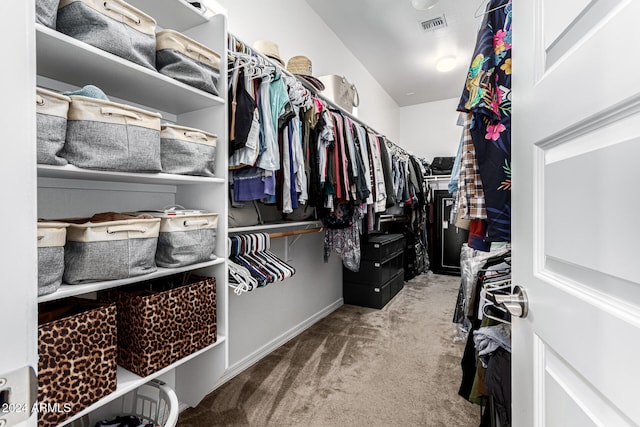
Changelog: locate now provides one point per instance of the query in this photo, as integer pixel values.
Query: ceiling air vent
(433, 24)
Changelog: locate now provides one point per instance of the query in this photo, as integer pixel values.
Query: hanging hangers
(244, 282)
(251, 252)
(497, 285)
(488, 299)
(492, 317)
(485, 3)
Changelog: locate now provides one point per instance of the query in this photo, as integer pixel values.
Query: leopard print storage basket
(156, 329)
(77, 357)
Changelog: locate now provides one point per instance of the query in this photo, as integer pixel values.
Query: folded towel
(90, 91)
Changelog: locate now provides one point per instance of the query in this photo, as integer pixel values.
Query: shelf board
(68, 60)
(66, 291)
(178, 15)
(73, 172)
(438, 178)
(128, 381)
(273, 226)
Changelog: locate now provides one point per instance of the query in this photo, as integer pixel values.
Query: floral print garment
(346, 241)
(487, 95)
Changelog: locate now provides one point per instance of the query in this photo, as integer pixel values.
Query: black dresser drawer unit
(381, 247)
(381, 274)
(373, 296)
(375, 273)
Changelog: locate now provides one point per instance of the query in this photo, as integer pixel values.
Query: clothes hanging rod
(294, 232)
(309, 87)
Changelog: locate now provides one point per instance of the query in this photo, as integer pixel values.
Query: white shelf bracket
(288, 246)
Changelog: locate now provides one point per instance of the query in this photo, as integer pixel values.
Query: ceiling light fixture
(423, 4)
(446, 63)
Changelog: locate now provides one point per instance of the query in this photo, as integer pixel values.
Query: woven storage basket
(51, 124)
(51, 240)
(187, 61)
(76, 357)
(111, 25)
(46, 12)
(110, 136)
(186, 237)
(110, 249)
(158, 328)
(187, 151)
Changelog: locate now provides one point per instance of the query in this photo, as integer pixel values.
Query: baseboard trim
(266, 349)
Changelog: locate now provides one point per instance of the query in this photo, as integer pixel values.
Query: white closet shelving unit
(249, 326)
(63, 63)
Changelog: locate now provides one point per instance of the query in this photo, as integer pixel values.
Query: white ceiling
(387, 38)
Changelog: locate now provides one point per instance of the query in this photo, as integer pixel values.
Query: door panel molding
(539, 244)
(588, 22)
(539, 386)
(559, 15)
(586, 397)
(591, 124)
(590, 345)
(590, 285)
(591, 209)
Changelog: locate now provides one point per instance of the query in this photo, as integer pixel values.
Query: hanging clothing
(385, 157)
(455, 172)
(379, 186)
(345, 242)
(269, 159)
(487, 95)
(241, 111)
(366, 163)
(360, 190)
(471, 197)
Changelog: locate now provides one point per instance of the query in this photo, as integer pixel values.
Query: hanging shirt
(287, 200)
(362, 145)
(247, 155)
(342, 164)
(325, 139)
(269, 158)
(471, 194)
(487, 95)
(378, 174)
(298, 158)
(385, 158)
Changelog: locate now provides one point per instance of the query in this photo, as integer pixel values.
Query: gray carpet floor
(398, 366)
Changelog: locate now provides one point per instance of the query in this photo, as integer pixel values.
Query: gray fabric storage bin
(187, 151)
(186, 237)
(187, 61)
(111, 25)
(110, 250)
(46, 12)
(110, 136)
(51, 240)
(51, 124)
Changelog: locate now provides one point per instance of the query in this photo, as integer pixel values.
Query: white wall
(429, 130)
(298, 30)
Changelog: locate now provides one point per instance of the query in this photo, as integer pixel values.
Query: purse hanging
(340, 91)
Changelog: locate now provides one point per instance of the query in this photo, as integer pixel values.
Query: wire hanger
(485, 3)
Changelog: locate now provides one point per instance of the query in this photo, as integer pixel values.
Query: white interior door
(18, 256)
(576, 153)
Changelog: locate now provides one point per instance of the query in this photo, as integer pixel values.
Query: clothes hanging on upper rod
(487, 97)
(291, 147)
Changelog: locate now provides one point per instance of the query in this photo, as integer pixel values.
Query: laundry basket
(154, 402)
